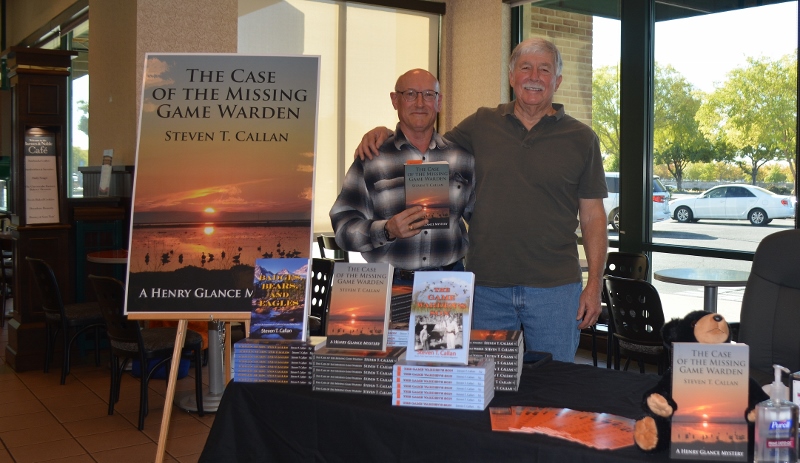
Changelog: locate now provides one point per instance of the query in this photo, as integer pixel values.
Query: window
(726, 114)
(76, 39)
(363, 50)
(712, 128)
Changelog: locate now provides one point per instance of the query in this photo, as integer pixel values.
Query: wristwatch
(386, 233)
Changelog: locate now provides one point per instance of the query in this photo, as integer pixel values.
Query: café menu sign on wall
(41, 180)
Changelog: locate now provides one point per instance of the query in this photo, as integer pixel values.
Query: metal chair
(638, 317)
(321, 279)
(619, 264)
(770, 312)
(129, 341)
(59, 317)
(328, 243)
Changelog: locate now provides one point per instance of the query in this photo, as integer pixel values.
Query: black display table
(280, 423)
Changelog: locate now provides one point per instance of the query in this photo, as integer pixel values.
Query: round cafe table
(113, 256)
(710, 278)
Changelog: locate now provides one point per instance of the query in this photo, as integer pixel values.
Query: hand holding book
(406, 224)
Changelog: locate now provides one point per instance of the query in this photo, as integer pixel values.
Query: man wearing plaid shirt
(370, 214)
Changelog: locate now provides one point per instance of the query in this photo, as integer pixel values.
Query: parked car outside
(737, 202)
(661, 197)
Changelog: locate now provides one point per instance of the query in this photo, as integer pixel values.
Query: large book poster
(224, 175)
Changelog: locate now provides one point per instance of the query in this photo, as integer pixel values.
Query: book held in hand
(279, 310)
(428, 185)
(441, 317)
(358, 317)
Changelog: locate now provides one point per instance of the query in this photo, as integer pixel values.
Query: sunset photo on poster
(224, 176)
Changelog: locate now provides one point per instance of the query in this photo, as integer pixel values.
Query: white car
(739, 202)
(660, 200)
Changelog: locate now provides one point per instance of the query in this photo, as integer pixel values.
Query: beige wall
(474, 58)
(122, 32)
(24, 17)
(112, 77)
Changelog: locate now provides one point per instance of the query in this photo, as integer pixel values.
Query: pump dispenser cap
(777, 385)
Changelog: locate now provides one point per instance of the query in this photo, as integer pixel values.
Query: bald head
(413, 76)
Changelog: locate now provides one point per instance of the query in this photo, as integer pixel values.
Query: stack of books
(263, 361)
(435, 385)
(354, 372)
(505, 347)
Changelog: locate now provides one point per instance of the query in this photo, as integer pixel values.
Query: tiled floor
(40, 420)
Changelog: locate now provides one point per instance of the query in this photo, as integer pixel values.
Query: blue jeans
(547, 316)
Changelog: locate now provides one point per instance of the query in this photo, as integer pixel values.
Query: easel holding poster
(224, 174)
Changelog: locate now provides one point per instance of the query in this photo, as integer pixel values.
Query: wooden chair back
(123, 334)
(49, 292)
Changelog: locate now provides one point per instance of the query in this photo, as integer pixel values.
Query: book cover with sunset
(441, 317)
(224, 175)
(428, 185)
(279, 300)
(710, 385)
(358, 317)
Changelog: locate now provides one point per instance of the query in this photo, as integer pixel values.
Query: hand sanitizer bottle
(776, 426)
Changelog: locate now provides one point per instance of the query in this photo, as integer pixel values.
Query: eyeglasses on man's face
(411, 95)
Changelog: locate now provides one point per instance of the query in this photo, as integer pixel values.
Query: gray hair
(536, 45)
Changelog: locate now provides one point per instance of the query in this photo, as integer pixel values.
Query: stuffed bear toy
(652, 432)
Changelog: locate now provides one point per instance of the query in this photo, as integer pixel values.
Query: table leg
(710, 299)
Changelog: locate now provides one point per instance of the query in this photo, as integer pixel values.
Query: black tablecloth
(280, 423)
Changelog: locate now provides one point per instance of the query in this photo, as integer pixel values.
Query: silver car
(660, 200)
(738, 202)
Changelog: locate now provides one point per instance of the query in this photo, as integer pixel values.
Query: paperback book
(477, 368)
(389, 356)
(427, 184)
(401, 303)
(398, 334)
(441, 317)
(278, 310)
(358, 317)
(598, 430)
(710, 385)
